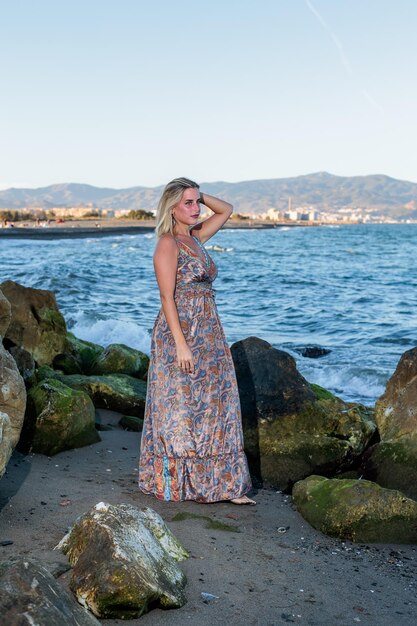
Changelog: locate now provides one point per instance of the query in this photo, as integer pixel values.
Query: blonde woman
(192, 443)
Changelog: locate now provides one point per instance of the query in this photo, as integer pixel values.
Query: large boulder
(12, 406)
(116, 392)
(118, 358)
(293, 429)
(25, 363)
(396, 409)
(5, 314)
(357, 510)
(78, 356)
(36, 323)
(57, 418)
(392, 463)
(30, 596)
(124, 561)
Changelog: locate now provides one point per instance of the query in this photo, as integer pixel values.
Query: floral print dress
(192, 442)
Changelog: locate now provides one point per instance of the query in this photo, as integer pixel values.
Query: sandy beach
(266, 565)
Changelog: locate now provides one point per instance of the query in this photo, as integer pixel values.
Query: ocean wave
(350, 383)
(107, 331)
(216, 248)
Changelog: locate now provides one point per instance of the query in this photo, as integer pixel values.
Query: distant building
(273, 214)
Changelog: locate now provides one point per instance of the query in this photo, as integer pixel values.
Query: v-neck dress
(192, 441)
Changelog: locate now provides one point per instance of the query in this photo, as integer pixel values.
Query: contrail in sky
(345, 61)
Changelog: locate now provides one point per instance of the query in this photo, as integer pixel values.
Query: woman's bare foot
(243, 500)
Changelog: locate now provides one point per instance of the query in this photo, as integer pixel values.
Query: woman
(192, 444)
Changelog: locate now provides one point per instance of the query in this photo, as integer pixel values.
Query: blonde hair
(171, 195)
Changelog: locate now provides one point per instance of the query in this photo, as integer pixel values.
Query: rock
(356, 510)
(6, 447)
(312, 352)
(5, 314)
(396, 409)
(36, 324)
(130, 422)
(208, 597)
(78, 356)
(269, 382)
(120, 359)
(12, 406)
(116, 392)
(24, 361)
(57, 418)
(30, 596)
(392, 463)
(124, 561)
(293, 429)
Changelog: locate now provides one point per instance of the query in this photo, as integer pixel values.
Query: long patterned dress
(192, 442)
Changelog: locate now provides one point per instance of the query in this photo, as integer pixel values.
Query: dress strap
(206, 256)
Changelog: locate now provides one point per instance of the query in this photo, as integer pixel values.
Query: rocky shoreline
(110, 227)
(351, 471)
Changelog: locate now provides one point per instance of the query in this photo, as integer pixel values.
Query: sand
(275, 570)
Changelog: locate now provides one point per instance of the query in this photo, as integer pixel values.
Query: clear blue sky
(135, 92)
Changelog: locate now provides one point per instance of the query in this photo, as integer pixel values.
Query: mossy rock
(292, 428)
(78, 356)
(118, 358)
(116, 392)
(57, 418)
(356, 510)
(393, 464)
(321, 393)
(124, 562)
(326, 436)
(130, 422)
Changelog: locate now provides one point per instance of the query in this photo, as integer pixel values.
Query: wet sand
(275, 570)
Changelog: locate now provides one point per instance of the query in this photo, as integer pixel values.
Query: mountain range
(378, 194)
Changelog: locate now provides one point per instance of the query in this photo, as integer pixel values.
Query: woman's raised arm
(222, 211)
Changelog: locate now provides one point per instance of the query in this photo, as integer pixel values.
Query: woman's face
(187, 211)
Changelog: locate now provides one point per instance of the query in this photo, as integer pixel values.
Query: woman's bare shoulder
(166, 244)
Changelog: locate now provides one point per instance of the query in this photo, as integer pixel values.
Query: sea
(351, 289)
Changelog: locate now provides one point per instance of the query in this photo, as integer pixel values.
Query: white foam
(348, 385)
(105, 332)
(216, 248)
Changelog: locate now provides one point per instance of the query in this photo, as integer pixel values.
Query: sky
(119, 93)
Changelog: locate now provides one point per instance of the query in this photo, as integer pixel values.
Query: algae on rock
(357, 510)
(293, 429)
(57, 418)
(124, 561)
(118, 358)
(117, 392)
(392, 463)
(78, 355)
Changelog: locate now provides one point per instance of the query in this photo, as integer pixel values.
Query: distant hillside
(326, 192)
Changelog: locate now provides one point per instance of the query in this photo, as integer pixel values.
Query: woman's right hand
(185, 358)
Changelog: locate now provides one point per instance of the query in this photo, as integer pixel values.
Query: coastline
(111, 227)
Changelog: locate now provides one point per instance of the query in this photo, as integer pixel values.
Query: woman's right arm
(165, 264)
